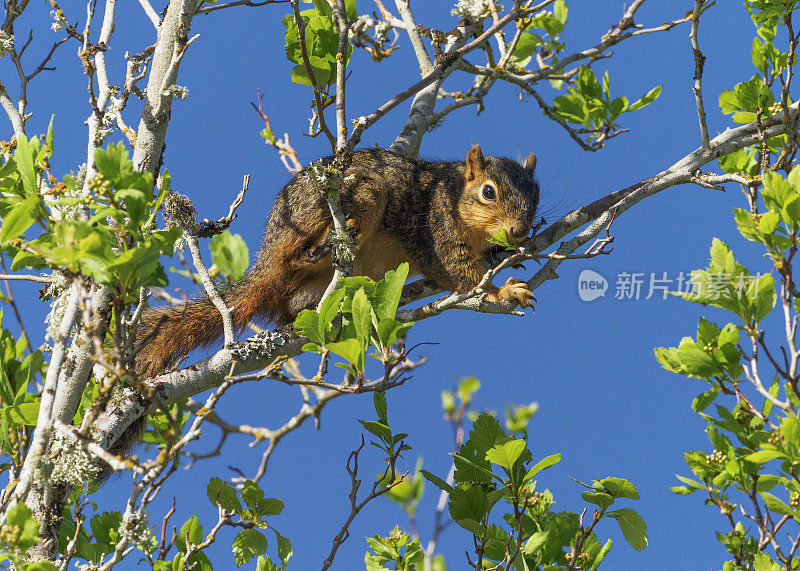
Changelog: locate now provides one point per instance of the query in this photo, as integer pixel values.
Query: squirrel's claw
(515, 291)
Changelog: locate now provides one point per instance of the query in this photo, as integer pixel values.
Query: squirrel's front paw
(515, 291)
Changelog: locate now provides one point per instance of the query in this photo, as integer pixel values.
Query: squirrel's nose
(520, 230)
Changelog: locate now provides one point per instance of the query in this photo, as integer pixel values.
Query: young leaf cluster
(108, 234)
(367, 316)
(548, 25)
(321, 43)
(252, 509)
(589, 104)
(493, 469)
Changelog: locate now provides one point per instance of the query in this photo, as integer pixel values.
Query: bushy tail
(167, 334)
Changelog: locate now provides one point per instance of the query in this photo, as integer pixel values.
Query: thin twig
(699, 61)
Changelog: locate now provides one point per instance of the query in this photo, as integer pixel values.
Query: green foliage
(408, 491)
(113, 241)
(392, 445)
(19, 533)
(230, 255)
(742, 161)
(771, 11)
(746, 99)
(164, 427)
(367, 310)
(501, 239)
(396, 550)
(321, 42)
(19, 408)
(494, 469)
(729, 285)
(548, 26)
(754, 452)
(252, 509)
(518, 417)
(590, 105)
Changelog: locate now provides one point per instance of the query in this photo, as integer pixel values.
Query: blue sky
(605, 403)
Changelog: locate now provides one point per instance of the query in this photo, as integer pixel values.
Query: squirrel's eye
(488, 193)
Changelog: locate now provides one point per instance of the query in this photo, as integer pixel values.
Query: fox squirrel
(436, 216)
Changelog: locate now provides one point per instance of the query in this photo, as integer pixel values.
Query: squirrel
(437, 216)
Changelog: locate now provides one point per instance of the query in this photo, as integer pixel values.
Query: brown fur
(430, 214)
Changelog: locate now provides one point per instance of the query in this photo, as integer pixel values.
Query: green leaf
(485, 432)
(766, 296)
(135, 204)
(646, 99)
(105, 528)
(764, 456)
(349, 349)
(758, 54)
(300, 75)
(308, 324)
(764, 562)
(768, 222)
(223, 495)
(633, 527)
(192, 531)
(525, 47)
(229, 253)
(24, 157)
(26, 413)
(20, 218)
(619, 488)
(362, 318)
(48, 141)
(768, 481)
(379, 429)
(469, 507)
(252, 494)
(507, 453)
(437, 481)
(466, 388)
(701, 402)
(323, 8)
(115, 166)
(381, 406)
(328, 310)
(350, 10)
(388, 291)
(248, 544)
(542, 464)
(697, 362)
(390, 330)
(560, 11)
(776, 505)
(41, 566)
(790, 430)
(284, 548)
(600, 499)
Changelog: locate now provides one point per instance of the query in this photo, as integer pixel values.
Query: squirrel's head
(499, 194)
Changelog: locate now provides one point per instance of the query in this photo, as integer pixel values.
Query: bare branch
(341, 110)
(30, 278)
(699, 61)
(424, 60)
(211, 289)
(40, 436)
(152, 14)
(215, 7)
(164, 68)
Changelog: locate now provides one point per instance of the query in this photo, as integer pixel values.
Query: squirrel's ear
(476, 164)
(530, 164)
